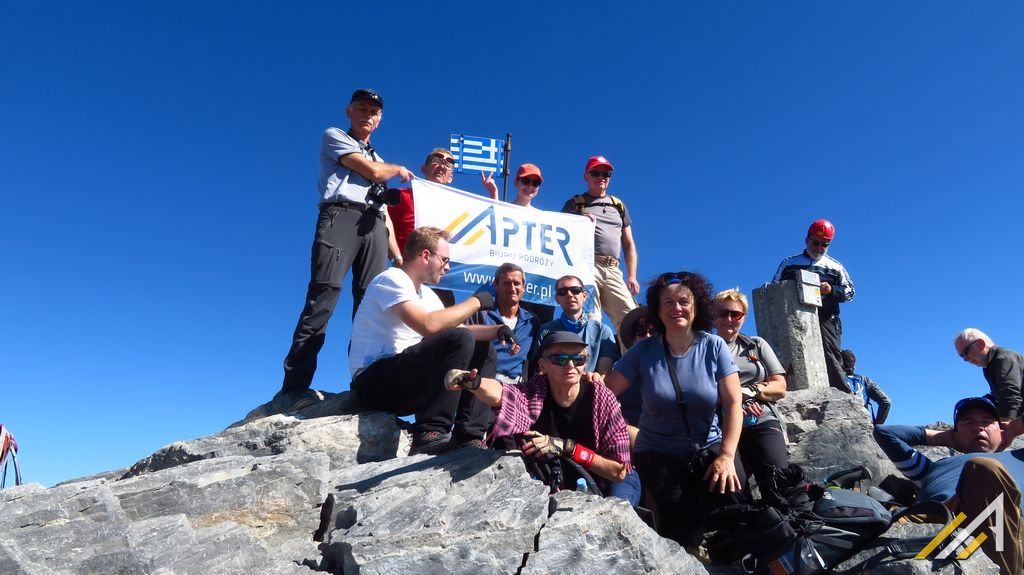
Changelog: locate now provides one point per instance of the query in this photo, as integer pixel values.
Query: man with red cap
(612, 236)
(836, 288)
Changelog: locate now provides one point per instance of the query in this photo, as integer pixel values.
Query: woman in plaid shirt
(562, 412)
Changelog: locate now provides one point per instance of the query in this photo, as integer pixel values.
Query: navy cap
(367, 95)
(557, 337)
(969, 402)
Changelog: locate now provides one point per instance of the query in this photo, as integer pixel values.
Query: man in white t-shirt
(404, 341)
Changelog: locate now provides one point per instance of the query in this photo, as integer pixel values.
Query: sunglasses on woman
(734, 315)
(563, 359)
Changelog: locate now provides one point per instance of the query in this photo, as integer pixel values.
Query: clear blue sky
(158, 167)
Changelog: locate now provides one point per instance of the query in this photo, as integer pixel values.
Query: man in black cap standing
(353, 231)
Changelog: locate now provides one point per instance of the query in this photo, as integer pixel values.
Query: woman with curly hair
(685, 452)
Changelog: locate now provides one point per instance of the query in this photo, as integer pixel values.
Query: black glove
(485, 298)
(506, 335)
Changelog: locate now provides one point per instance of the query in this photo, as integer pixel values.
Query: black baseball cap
(368, 95)
(557, 337)
(968, 402)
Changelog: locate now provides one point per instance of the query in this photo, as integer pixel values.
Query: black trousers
(346, 238)
(762, 446)
(682, 495)
(413, 382)
(831, 334)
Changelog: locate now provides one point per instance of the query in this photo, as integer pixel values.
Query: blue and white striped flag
(476, 154)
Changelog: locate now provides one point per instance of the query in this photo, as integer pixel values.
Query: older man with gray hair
(1003, 369)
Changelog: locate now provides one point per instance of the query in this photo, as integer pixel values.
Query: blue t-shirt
(937, 479)
(662, 429)
(525, 331)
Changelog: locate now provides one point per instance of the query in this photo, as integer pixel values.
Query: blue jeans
(628, 489)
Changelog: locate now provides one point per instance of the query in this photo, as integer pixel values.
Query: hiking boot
(303, 399)
(430, 442)
(474, 442)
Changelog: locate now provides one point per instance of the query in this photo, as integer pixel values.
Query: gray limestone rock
(830, 431)
(589, 534)
(345, 439)
(466, 511)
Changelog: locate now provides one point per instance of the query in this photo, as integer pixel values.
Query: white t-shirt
(377, 331)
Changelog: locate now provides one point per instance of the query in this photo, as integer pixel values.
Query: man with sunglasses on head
(561, 413)
(438, 167)
(1003, 369)
(612, 236)
(600, 340)
(836, 288)
(404, 341)
(353, 230)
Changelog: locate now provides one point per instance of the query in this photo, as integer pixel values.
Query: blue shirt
(510, 365)
(937, 479)
(599, 337)
(662, 429)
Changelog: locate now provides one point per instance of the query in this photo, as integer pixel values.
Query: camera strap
(680, 398)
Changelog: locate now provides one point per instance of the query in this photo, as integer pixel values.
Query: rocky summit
(330, 489)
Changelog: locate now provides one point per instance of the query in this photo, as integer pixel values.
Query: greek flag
(476, 154)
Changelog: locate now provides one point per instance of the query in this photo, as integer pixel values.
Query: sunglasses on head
(734, 315)
(673, 278)
(442, 160)
(564, 291)
(819, 243)
(530, 182)
(563, 359)
(600, 174)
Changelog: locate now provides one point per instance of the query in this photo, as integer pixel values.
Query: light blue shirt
(662, 429)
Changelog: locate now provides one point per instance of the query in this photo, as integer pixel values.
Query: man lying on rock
(404, 341)
(968, 482)
(561, 412)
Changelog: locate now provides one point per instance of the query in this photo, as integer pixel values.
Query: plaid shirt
(521, 405)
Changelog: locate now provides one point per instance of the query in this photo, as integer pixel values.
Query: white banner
(486, 233)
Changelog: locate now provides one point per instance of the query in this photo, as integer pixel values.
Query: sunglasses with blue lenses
(563, 359)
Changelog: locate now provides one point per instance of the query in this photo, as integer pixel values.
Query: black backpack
(796, 528)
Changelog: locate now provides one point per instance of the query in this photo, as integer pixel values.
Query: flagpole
(504, 169)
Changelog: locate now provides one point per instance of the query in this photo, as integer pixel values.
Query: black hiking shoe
(430, 443)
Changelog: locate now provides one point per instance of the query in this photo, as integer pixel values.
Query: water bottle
(581, 485)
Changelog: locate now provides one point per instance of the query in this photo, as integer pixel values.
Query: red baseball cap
(598, 161)
(529, 170)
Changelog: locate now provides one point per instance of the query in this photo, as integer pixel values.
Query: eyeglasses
(967, 350)
(733, 314)
(443, 161)
(527, 182)
(564, 291)
(563, 359)
(819, 243)
(443, 259)
(599, 174)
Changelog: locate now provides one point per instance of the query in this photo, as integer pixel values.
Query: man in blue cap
(968, 482)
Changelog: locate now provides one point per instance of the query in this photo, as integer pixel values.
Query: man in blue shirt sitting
(509, 284)
(968, 482)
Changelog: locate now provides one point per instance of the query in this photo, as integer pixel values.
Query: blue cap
(968, 402)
